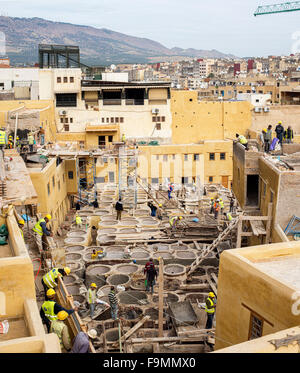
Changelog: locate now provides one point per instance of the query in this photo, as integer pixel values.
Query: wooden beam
(212, 285)
(104, 338)
(268, 226)
(254, 217)
(213, 275)
(239, 231)
(160, 297)
(169, 339)
(135, 328)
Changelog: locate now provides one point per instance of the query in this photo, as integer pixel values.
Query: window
(157, 119)
(110, 138)
(111, 177)
(222, 156)
(53, 181)
(61, 120)
(58, 79)
(256, 326)
(71, 79)
(67, 127)
(112, 120)
(154, 180)
(153, 119)
(71, 120)
(70, 175)
(184, 180)
(196, 157)
(121, 120)
(65, 79)
(163, 119)
(107, 120)
(210, 179)
(66, 99)
(173, 156)
(211, 156)
(165, 158)
(102, 120)
(48, 188)
(66, 120)
(158, 126)
(186, 157)
(117, 120)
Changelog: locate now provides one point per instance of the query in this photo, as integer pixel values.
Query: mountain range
(97, 46)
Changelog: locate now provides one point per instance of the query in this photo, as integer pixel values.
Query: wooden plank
(197, 245)
(135, 328)
(104, 338)
(247, 234)
(254, 217)
(192, 286)
(257, 227)
(213, 275)
(239, 231)
(212, 285)
(170, 339)
(253, 227)
(268, 226)
(160, 298)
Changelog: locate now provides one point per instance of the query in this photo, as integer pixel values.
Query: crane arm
(277, 8)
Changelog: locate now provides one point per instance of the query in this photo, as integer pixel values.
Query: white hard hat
(92, 333)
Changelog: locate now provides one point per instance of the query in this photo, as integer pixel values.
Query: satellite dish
(113, 67)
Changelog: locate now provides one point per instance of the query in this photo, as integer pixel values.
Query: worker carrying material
(78, 221)
(210, 307)
(50, 309)
(40, 229)
(61, 330)
(174, 221)
(92, 299)
(242, 140)
(99, 254)
(49, 279)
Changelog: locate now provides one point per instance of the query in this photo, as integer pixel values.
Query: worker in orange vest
(216, 208)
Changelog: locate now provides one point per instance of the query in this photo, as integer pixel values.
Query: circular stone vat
(73, 257)
(105, 239)
(131, 296)
(101, 212)
(127, 269)
(185, 254)
(74, 240)
(114, 252)
(163, 254)
(131, 313)
(75, 248)
(73, 289)
(118, 280)
(138, 284)
(78, 233)
(77, 268)
(199, 271)
(105, 223)
(192, 297)
(141, 212)
(149, 223)
(127, 230)
(140, 254)
(103, 290)
(70, 279)
(174, 270)
(107, 217)
(159, 247)
(105, 315)
(96, 273)
(106, 231)
(171, 298)
(79, 298)
(85, 213)
(179, 247)
(152, 312)
(112, 335)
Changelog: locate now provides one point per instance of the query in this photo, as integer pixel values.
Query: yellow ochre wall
(193, 121)
(267, 297)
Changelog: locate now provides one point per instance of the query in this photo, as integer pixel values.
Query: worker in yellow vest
(173, 221)
(3, 138)
(242, 140)
(10, 144)
(228, 216)
(30, 140)
(123, 138)
(49, 279)
(78, 221)
(221, 205)
(40, 229)
(91, 298)
(50, 308)
(61, 330)
(210, 307)
(21, 224)
(18, 144)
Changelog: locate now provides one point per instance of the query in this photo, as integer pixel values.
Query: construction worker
(49, 279)
(231, 204)
(113, 302)
(61, 330)
(262, 139)
(242, 140)
(216, 208)
(98, 254)
(210, 305)
(10, 144)
(173, 221)
(123, 138)
(30, 140)
(151, 275)
(153, 208)
(78, 221)
(91, 298)
(81, 343)
(21, 224)
(3, 138)
(50, 309)
(268, 139)
(18, 144)
(228, 216)
(119, 208)
(279, 132)
(40, 229)
(289, 135)
(170, 190)
(159, 212)
(221, 205)
(212, 202)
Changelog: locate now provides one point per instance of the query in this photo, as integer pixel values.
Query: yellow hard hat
(180, 217)
(279, 122)
(160, 205)
(211, 197)
(21, 221)
(50, 292)
(265, 130)
(211, 294)
(93, 285)
(62, 315)
(48, 216)
(67, 270)
(18, 137)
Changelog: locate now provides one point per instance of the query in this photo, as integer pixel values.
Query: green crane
(277, 8)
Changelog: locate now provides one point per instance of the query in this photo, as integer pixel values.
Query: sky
(225, 25)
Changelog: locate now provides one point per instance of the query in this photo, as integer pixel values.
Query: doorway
(252, 190)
